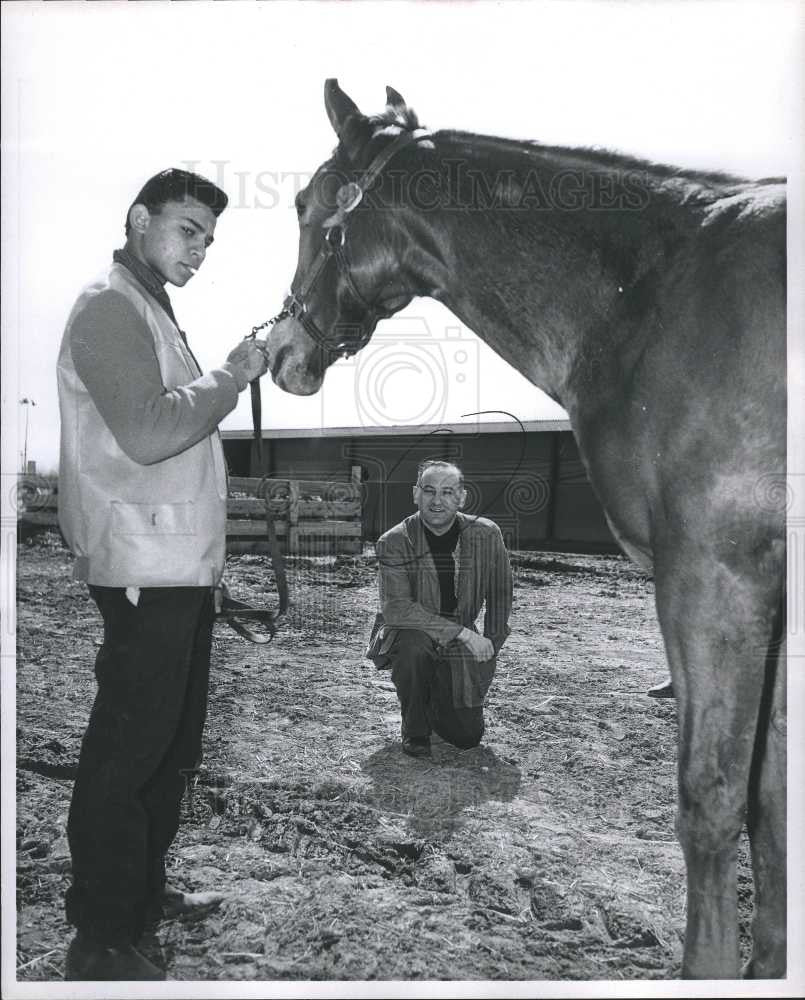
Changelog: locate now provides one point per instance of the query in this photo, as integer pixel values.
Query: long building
(531, 482)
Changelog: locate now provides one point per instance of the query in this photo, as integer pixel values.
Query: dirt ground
(547, 853)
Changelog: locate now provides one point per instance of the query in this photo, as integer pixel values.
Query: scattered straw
(39, 958)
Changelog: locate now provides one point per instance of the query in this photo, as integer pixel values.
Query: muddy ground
(546, 853)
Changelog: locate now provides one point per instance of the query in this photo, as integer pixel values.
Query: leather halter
(334, 247)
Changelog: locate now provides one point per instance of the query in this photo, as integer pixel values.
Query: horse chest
(623, 479)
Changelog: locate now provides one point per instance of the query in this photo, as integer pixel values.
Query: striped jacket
(410, 597)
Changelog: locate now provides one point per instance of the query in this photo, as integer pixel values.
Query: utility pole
(27, 403)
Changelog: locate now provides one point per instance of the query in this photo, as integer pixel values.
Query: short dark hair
(430, 463)
(174, 184)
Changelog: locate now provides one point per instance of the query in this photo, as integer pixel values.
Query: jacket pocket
(153, 518)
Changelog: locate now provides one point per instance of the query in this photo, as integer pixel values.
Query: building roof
(490, 427)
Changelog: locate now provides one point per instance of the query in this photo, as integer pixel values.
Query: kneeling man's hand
(478, 646)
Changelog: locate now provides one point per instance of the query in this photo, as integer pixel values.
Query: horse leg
(704, 609)
(767, 821)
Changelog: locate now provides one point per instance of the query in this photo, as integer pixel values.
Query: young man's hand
(478, 646)
(247, 362)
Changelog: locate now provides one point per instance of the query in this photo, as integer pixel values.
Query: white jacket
(128, 523)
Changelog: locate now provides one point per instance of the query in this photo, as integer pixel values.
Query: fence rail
(310, 516)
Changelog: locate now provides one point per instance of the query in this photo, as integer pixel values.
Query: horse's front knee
(710, 815)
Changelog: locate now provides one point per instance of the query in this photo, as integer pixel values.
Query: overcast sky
(97, 98)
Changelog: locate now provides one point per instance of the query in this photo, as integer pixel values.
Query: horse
(650, 302)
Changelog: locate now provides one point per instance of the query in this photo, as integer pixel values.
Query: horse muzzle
(294, 359)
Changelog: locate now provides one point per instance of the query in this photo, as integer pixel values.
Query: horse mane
(587, 156)
(578, 157)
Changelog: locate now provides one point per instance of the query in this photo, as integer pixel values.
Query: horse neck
(528, 259)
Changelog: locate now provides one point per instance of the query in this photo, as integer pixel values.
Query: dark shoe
(665, 689)
(416, 748)
(90, 961)
(175, 903)
(150, 946)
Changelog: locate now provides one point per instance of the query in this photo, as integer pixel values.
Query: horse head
(351, 269)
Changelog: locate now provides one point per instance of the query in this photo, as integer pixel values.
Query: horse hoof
(752, 970)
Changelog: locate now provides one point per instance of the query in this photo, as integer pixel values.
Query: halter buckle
(337, 240)
(292, 305)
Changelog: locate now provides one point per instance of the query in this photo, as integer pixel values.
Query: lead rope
(257, 406)
(231, 609)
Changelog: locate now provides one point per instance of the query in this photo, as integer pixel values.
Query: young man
(437, 567)
(142, 504)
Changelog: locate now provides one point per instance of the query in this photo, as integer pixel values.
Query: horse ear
(395, 100)
(339, 106)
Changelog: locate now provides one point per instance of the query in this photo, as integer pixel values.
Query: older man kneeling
(437, 568)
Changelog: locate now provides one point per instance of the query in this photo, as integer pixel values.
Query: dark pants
(425, 688)
(144, 735)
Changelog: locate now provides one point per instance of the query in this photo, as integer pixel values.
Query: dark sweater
(442, 548)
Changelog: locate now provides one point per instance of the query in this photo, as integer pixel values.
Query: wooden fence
(311, 517)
